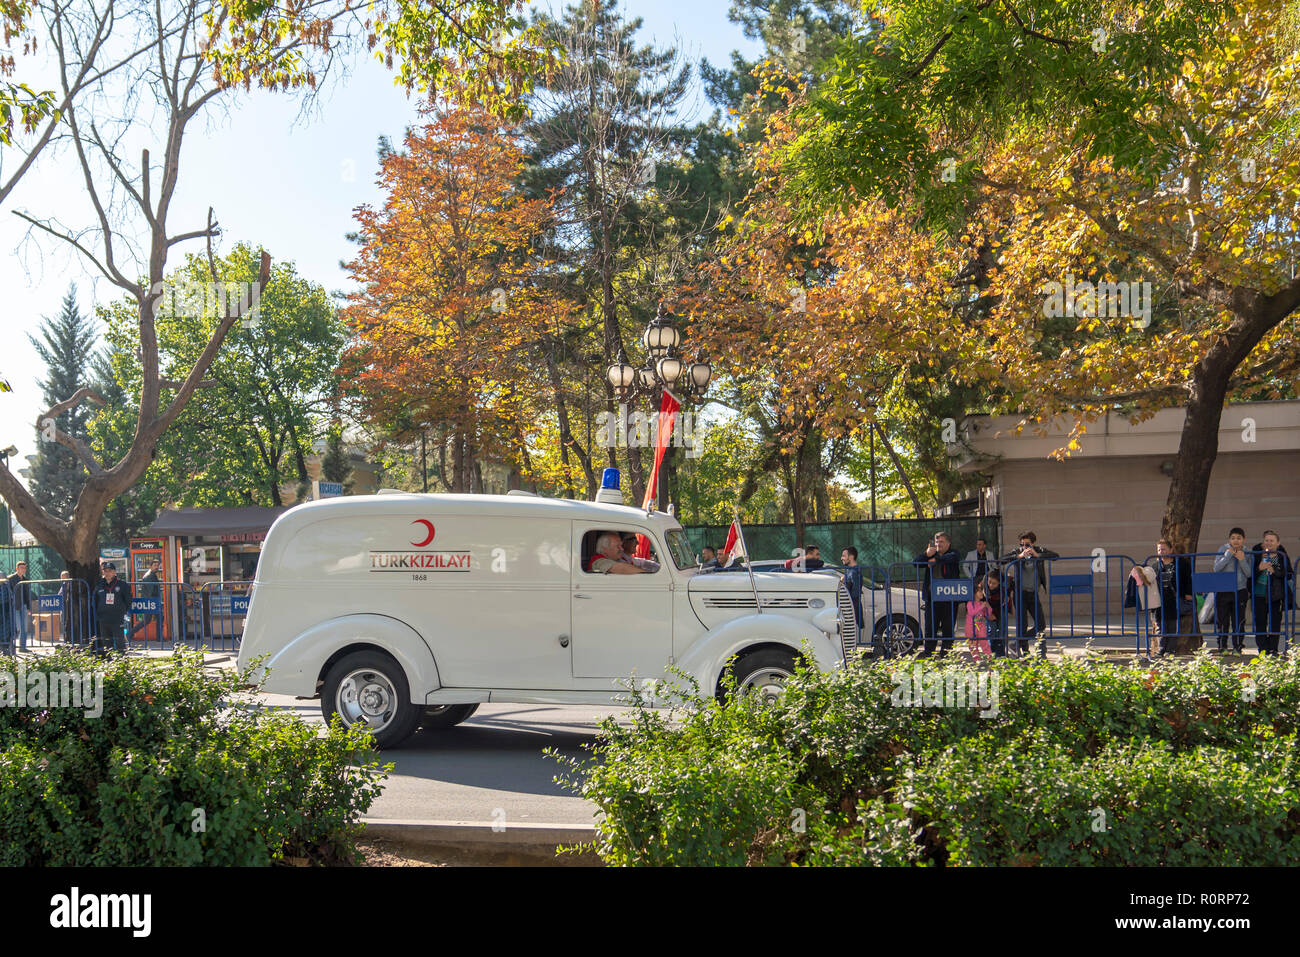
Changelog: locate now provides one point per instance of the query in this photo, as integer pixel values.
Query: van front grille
(848, 621)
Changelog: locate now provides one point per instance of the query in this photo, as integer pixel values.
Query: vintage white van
(403, 609)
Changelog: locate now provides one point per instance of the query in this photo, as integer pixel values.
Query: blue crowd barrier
(1100, 597)
(225, 609)
(44, 612)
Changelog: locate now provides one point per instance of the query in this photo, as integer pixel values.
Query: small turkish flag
(733, 538)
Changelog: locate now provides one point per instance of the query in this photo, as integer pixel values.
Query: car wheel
(446, 715)
(369, 688)
(899, 635)
(763, 673)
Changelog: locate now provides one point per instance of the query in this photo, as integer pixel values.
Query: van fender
(707, 657)
(296, 667)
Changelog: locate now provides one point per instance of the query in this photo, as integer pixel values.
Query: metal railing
(160, 615)
(1172, 603)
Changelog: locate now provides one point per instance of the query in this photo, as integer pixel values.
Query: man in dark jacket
(20, 594)
(1028, 565)
(853, 580)
(1271, 590)
(1178, 628)
(939, 560)
(112, 603)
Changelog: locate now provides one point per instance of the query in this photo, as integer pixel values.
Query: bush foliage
(179, 769)
(1080, 762)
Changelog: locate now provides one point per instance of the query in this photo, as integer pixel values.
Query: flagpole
(740, 534)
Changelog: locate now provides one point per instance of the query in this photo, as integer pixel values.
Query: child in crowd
(977, 621)
(993, 597)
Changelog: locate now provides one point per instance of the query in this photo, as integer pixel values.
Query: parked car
(404, 609)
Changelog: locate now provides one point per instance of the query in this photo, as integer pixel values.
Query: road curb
(534, 841)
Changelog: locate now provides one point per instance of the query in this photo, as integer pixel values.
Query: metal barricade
(225, 606)
(1069, 598)
(919, 607)
(160, 617)
(1205, 596)
(1081, 597)
(59, 612)
(43, 613)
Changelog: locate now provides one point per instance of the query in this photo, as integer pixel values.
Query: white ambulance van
(403, 609)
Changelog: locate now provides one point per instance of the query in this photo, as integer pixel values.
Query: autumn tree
(109, 91)
(452, 309)
(1030, 144)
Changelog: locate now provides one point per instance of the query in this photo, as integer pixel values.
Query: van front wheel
(763, 673)
(369, 689)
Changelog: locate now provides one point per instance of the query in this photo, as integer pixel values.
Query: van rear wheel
(446, 715)
(369, 688)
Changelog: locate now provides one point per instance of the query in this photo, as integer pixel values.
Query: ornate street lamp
(670, 368)
(661, 335)
(622, 376)
(700, 374)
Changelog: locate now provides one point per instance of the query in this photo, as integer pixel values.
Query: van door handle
(580, 595)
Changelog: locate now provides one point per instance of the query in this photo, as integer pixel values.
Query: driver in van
(629, 552)
(610, 559)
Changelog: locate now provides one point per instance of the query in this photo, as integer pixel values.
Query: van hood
(767, 582)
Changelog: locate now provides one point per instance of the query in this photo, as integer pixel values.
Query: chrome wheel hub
(367, 697)
(767, 683)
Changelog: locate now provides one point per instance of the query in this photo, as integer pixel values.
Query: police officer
(112, 603)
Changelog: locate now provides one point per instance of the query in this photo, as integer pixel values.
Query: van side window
(591, 551)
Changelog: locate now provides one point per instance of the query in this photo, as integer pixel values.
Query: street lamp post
(665, 370)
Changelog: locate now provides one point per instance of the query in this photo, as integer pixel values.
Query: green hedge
(180, 768)
(1083, 763)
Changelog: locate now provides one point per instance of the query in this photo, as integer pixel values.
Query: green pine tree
(64, 345)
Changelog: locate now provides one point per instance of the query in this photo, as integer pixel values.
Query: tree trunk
(898, 467)
(1198, 447)
(77, 615)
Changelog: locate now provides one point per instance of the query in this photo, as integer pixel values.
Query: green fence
(878, 543)
(42, 562)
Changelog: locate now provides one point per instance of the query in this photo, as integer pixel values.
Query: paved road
(489, 768)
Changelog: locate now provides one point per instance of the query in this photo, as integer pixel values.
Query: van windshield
(680, 547)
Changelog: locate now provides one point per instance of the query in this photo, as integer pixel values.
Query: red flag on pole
(668, 410)
(733, 538)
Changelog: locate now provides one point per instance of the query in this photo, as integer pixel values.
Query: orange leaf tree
(453, 309)
(963, 178)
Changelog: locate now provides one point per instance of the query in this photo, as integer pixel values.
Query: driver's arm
(622, 568)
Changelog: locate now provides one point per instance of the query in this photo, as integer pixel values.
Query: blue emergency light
(609, 492)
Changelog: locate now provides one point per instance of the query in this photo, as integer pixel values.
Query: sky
(273, 177)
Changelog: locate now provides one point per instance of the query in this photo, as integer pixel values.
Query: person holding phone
(1230, 606)
(939, 560)
(1270, 576)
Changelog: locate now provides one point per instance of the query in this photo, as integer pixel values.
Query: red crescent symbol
(427, 524)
